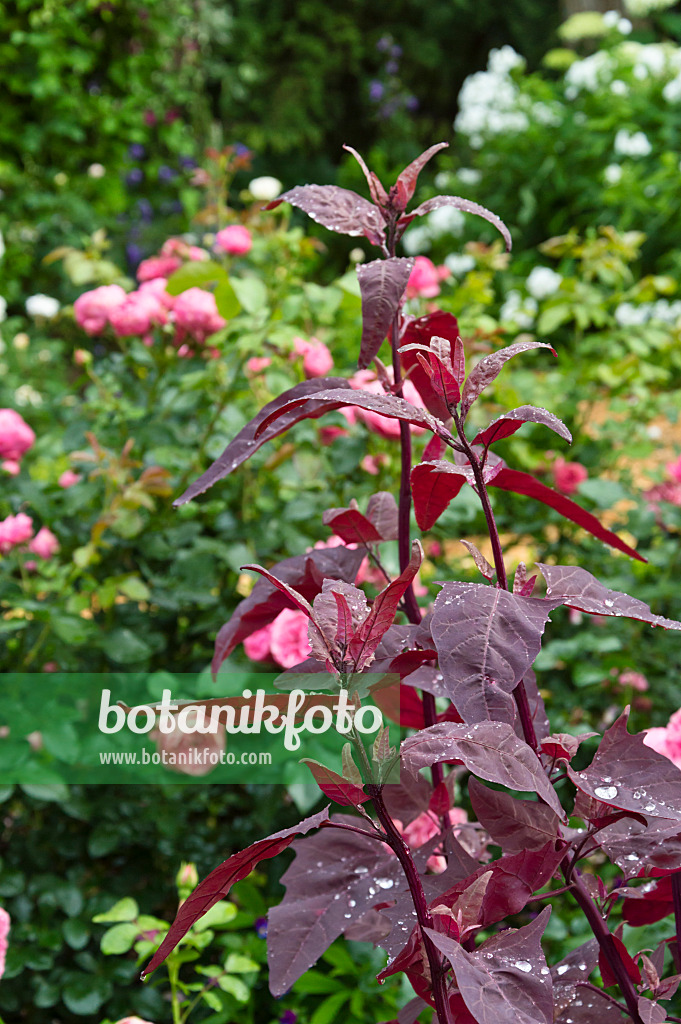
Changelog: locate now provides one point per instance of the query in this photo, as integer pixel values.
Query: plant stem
(605, 941)
(519, 693)
(423, 914)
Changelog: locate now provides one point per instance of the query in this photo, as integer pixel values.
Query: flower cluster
(317, 360)
(424, 280)
(16, 437)
(16, 530)
(5, 924)
(283, 641)
(567, 476)
(667, 739)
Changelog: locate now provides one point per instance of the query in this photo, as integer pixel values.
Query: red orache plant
(356, 874)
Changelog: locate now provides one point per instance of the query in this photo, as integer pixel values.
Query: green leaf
(212, 999)
(70, 629)
(125, 647)
(326, 1012)
(226, 300)
(554, 317)
(316, 983)
(195, 274)
(222, 913)
(125, 910)
(251, 293)
(76, 933)
(235, 987)
(134, 588)
(85, 993)
(119, 939)
(237, 963)
(55, 792)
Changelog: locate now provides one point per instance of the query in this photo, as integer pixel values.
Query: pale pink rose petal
(158, 266)
(196, 313)
(69, 478)
(15, 530)
(424, 280)
(92, 309)
(16, 437)
(257, 645)
(44, 544)
(13, 468)
(235, 239)
(568, 476)
(674, 470)
(256, 364)
(289, 643)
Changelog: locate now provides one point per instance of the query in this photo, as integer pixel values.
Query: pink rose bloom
(44, 544)
(196, 313)
(424, 280)
(178, 247)
(186, 743)
(327, 435)
(235, 239)
(317, 360)
(138, 314)
(423, 828)
(372, 463)
(16, 437)
(366, 380)
(50, 666)
(157, 288)
(289, 644)
(5, 924)
(132, 1020)
(92, 308)
(11, 467)
(674, 470)
(636, 680)
(567, 476)
(257, 364)
(69, 478)
(15, 530)
(158, 266)
(257, 645)
(667, 740)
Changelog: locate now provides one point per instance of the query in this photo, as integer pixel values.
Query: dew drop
(523, 966)
(384, 883)
(352, 903)
(605, 792)
(562, 969)
(347, 916)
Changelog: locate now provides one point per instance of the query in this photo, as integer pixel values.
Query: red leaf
(511, 421)
(382, 284)
(489, 368)
(383, 610)
(344, 628)
(629, 964)
(245, 444)
(382, 512)
(335, 786)
(516, 825)
(524, 483)
(577, 588)
(385, 405)
(420, 331)
(295, 598)
(336, 208)
(376, 190)
(435, 449)
(434, 485)
(218, 883)
(466, 206)
(406, 182)
(351, 526)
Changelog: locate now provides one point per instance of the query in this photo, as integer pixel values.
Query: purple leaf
(376, 190)
(434, 485)
(335, 786)
(420, 331)
(351, 526)
(578, 589)
(466, 206)
(629, 963)
(337, 209)
(481, 562)
(489, 368)
(344, 865)
(385, 405)
(591, 1007)
(511, 421)
(506, 980)
(514, 824)
(406, 181)
(627, 774)
(293, 595)
(382, 284)
(304, 572)
(486, 639)
(382, 512)
(245, 444)
(490, 750)
(524, 483)
(634, 847)
(383, 611)
(218, 883)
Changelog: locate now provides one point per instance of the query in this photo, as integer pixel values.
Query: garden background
(126, 125)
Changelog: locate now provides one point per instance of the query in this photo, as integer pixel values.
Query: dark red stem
(423, 914)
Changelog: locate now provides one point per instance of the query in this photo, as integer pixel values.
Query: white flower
(672, 90)
(42, 305)
(612, 174)
(27, 395)
(416, 240)
(459, 263)
(639, 8)
(500, 62)
(3, 309)
(628, 315)
(447, 220)
(611, 18)
(265, 188)
(542, 282)
(619, 88)
(96, 170)
(624, 26)
(628, 144)
(589, 73)
(468, 176)
(443, 180)
(517, 312)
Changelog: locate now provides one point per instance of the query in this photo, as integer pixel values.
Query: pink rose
(235, 239)
(327, 435)
(137, 315)
(11, 467)
(44, 544)
(674, 470)
(372, 463)
(158, 266)
(423, 828)
(69, 478)
(92, 308)
(289, 644)
(196, 313)
(317, 360)
(366, 380)
(257, 645)
(157, 288)
(257, 364)
(178, 247)
(193, 751)
(15, 530)
(132, 1020)
(567, 476)
(16, 437)
(5, 924)
(636, 680)
(667, 740)
(424, 280)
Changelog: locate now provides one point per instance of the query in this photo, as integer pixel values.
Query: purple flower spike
(261, 927)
